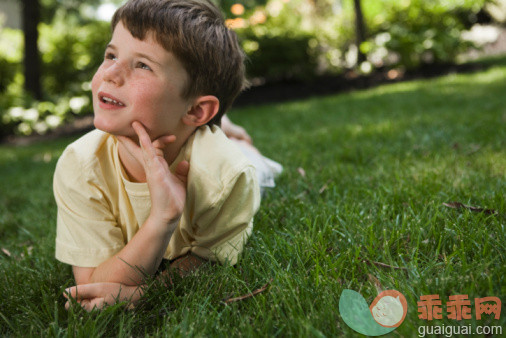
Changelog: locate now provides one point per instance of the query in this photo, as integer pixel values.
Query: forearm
(142, 255)
(98, 295)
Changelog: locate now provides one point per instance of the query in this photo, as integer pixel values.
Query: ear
(204, 108)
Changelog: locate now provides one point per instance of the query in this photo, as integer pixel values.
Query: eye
(110, 56)
(142, 65)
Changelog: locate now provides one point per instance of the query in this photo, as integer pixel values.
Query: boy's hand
(98, 295)
(168, 191)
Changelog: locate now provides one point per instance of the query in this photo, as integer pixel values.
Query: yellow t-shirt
(100, 210)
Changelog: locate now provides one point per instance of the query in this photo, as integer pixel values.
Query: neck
(135, 169)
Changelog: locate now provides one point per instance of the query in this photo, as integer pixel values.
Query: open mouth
(110, 100)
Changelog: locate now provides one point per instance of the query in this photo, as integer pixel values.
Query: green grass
(379, 164)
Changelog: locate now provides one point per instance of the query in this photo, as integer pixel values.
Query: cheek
(95, 82)
(152, 101)
(149, 92)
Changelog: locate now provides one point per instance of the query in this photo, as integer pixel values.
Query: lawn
(366, 175)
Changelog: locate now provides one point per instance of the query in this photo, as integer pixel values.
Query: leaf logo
(385, 314)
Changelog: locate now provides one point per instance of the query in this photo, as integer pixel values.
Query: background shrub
(283, 39)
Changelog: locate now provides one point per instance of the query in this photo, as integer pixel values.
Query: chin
(112, 128)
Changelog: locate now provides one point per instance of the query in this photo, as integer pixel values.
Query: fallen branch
(458, 205)
(249, 295)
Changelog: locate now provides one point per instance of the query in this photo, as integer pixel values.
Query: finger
(67, 305)
(182, 170)
(85, 291)
(70, 292)
(144, 141)
(97, 303)
(86, 304)
(163, 141)
(159, 152)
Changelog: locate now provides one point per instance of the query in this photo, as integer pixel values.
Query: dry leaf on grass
(458, 205)
(6, 252)
(324, 187)
(249, 295)
(301, 171)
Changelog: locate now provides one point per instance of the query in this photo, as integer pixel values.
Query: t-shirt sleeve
(222, 230)
(87, 233)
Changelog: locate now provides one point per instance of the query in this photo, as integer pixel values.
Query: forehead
(149, 46)
(122, 34)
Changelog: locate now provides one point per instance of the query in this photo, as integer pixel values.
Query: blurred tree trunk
(359, 30)
(30, 19)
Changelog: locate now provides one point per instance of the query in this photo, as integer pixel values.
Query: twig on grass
(458, 205)
(248, 295)
(383, 265)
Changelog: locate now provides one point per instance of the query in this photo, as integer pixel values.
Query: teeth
(108, 99)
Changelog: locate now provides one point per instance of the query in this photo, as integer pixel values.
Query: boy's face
(138, 81)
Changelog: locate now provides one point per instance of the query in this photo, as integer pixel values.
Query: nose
(115, 73)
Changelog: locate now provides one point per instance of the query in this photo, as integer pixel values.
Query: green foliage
(72, 9)
(11, 42)
(279, 57)
(413, 32)
(278, 41)
(7, 72)
(71, 52)
(312, 37)
(378, 165)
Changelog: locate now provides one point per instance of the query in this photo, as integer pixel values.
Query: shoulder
(217, 168)
(85, 159)
(87, 150)
(215, 160)
(88, 146)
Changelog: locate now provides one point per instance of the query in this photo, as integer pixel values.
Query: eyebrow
(142, 55)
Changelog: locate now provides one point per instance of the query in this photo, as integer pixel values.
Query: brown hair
(195, 32)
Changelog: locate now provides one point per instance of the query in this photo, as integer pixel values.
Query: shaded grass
(379, 164)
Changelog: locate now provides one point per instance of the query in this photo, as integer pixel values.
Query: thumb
(182, 170)
(83, 291)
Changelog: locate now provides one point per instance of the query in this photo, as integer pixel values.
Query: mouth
(110, 100)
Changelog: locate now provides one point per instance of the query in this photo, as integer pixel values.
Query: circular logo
(389, 308)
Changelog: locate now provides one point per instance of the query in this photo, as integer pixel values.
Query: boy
(158, 178)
